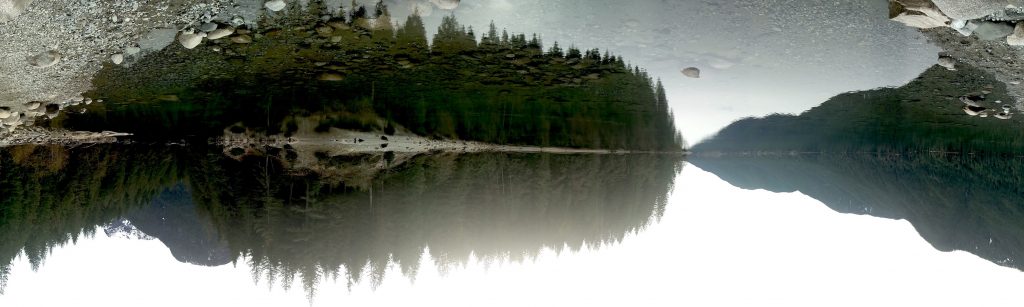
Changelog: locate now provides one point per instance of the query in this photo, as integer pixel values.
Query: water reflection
(905, 153)
(295, 224)
(955, 202)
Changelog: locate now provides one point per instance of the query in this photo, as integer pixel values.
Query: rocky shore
(53, 48)
(36, 135)
(986, 34)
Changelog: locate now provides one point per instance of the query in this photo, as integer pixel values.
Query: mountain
(955, 202)
(925, 115)
(908, 153)
(171, 217)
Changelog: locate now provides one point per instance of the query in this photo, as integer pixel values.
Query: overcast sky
(757, 57)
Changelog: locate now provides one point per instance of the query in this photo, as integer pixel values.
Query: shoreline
(338, 142)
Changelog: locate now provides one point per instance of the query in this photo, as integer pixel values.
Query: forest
(361, 72)
(902, 153)
(295, 225)
(923, 116)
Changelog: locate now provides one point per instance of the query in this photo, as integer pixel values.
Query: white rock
(948, 62)
(957, 24)
(275, 5)
(1017, 38)
(132, 50)
(5, 113)
(220, 33)
(969, 102)
(117, 58)
(44, 59)
(12, 118)
(691, 72)
(917, 13)
(190, 40)
(967, 29)
(32, 105)
(10, 9)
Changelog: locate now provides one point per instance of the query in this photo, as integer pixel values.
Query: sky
(716, 245)
(756, 57)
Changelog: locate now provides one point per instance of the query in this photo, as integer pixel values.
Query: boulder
(190, 40)
(948, 62)
(1017, 38)
(974, 111)
(275, 5)
(922, 14)
(691, 72)
(220, 33)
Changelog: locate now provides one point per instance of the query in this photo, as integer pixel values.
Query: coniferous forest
(362, 72)
(293, 224)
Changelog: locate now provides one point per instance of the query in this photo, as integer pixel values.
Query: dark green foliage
(492, 205)
(505, 91)
(906, 153)
(924, 115)
(52, 195)
(292, 220)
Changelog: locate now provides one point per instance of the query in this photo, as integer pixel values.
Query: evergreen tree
(556, 51)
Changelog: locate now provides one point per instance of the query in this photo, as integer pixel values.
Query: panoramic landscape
(498, 152)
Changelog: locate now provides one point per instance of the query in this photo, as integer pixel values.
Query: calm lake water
(509, 229)
(451, 152)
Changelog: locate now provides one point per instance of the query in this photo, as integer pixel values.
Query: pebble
(117, 58)
(132, 50)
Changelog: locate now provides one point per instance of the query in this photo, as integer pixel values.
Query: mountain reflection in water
(212, 209)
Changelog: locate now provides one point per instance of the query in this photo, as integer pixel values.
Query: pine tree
(556, 51)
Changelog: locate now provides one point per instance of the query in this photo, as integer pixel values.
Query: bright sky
(757, 57)
(716, 246)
